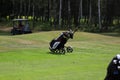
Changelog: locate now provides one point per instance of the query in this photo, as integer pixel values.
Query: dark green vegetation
(89, 15)
(27, 57)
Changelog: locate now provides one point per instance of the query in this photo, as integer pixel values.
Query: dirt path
(5, 28)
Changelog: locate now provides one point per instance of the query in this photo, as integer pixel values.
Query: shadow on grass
(55, 53)
(4, 33)
(111, 34)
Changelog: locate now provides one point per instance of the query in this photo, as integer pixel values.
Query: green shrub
(42, 26)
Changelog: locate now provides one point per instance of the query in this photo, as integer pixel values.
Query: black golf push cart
(20, 26)
(57, 45)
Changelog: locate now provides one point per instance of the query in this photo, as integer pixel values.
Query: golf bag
(58, 45)
(113, 70)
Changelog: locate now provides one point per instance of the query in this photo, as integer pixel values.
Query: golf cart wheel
(57, 51)
(62, 51)
(69, 49)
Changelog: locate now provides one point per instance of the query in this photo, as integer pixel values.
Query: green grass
(27, 57)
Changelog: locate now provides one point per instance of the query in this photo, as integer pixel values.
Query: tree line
(88, 15)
